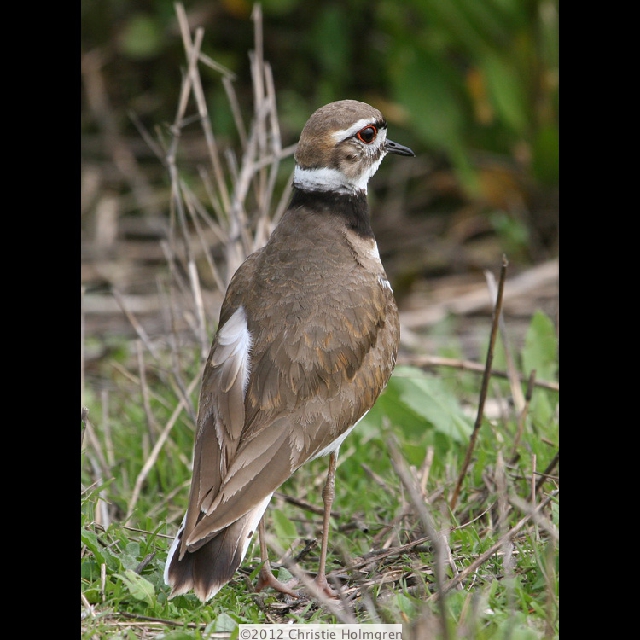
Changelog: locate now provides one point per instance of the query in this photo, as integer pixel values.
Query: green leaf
(141, 37)
(545, 152)
(140, 588)
(555, 512)
(507, 91)
(130, 556)
(286, 531)
(390, 406)
(414, 453)
(540, 410)
(331, 42)
(429, 89)
(179, 635)
(278, 7)
(426, 88)
(540, 351)
(224, 622)
(101, 554)
(428, 397)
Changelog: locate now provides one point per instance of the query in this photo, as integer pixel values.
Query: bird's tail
(207, 569)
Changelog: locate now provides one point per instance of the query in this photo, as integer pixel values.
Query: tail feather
(207, 569)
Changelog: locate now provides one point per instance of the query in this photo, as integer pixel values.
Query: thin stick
(235, 110)
(227, 74)
(177, 370)
(88, 606)
(512, 372)
(257, 74)
(176, 277)
(522, 418)
(176, 129)
(151, 460)
(189, 83)
(106, 428)
(485, 383)
(538, 519)
(307, 506)
(508, 561)
(193, 52)
(482, 558)
(95, 444)
(217, 227)
(139, 329)
(547, 471)
(534, 495)
(197, 298)
(342, 614)
(194, 208)
(82, 289)
(424, 469)
(262, 233)
(156, 148)
(237, 250)
(151, 423)
(467, 365)
(400, 465)
(84, 412)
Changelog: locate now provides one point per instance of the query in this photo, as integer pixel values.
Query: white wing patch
(172, 551)
(254, 520)
(384, 283)
(374, 253)
(234, 344)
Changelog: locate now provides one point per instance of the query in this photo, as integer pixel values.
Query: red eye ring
(367, 134)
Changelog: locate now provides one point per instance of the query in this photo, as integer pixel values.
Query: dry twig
(151, 460)
(547, 472)
(482, 558)
(438, 541)
(522, 418)
(467, 365)
(485, 384)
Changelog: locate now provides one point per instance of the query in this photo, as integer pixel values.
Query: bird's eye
(368, 134)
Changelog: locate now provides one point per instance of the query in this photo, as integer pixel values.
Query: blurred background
(470, 85)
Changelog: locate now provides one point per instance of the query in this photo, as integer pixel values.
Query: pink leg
(266, 577)
(328, 494)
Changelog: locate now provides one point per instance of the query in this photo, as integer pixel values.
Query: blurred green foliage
(471, 81)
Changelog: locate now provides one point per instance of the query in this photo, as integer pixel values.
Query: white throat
(326, 179)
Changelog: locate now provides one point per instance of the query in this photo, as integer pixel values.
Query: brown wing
(318, 363)
(221, 413)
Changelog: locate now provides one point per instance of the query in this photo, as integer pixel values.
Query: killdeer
(307, 339)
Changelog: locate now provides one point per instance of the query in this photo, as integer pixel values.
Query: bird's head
(341, 147)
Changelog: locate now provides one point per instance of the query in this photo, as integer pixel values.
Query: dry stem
(485, 383)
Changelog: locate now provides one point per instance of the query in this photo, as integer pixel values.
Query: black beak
(394, 147)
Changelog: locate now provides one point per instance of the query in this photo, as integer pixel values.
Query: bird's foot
(267, 579)
(325, 587)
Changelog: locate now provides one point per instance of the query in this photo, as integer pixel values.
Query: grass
(406, 544)
(379, 547)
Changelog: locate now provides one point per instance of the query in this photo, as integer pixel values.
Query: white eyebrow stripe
(339, 136)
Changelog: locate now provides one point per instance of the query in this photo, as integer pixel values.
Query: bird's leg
(328, 494)
(266, 577)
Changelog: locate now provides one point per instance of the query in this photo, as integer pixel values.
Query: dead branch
(485, 383)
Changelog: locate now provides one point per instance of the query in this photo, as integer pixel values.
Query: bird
(307, 339)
